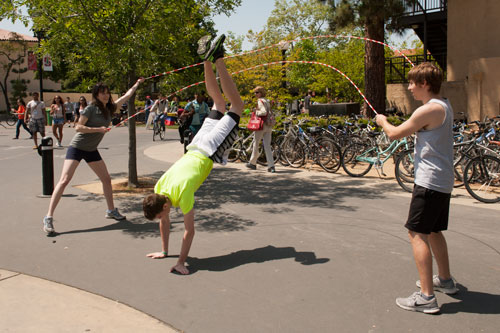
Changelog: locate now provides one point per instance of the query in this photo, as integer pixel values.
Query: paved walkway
(30, 304)
(293, 251)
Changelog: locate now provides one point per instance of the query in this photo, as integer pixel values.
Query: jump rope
(280, 44)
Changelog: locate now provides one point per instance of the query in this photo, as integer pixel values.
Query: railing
(420, 7)
(397, 68)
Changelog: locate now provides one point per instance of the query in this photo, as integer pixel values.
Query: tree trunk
(375, 66)
(4, 87)
(132, 143)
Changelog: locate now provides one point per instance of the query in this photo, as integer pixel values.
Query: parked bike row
(358, 148)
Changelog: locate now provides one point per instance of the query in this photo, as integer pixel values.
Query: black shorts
(429, 211)
(78, 154)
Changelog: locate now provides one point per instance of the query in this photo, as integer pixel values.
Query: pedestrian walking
(82, 104)
(265, 134)
(36, 117)
(69, 108)
(58, 118)
(21, 110)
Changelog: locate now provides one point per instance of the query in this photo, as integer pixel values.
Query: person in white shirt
(36, 117)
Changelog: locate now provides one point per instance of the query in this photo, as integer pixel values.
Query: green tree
(19, 86)
(12, 53)
(118, 41)
(375, 17)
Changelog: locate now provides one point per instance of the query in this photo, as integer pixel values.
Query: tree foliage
(12, 53)
(294, 19)
(374, 16)
(118, 41)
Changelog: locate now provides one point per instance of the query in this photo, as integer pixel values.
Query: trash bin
(49, 117)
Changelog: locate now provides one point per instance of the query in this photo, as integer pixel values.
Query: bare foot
(179, 268)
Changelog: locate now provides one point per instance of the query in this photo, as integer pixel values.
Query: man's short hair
(152, 205)
(427, 72)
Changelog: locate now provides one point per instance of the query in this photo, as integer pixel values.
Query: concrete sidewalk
(30, 304)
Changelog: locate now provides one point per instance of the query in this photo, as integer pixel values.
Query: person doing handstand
(177, 186)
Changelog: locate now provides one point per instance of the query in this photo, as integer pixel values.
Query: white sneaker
(416, 302)
(48, 225)
(114, 214)
(450, 288)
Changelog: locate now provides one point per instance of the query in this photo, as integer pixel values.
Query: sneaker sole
(215, 46)
(423, 310)
(204, 44)
(49, 232)
(116, 218)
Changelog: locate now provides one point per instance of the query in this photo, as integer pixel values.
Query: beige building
(8, 46)
(473, 61)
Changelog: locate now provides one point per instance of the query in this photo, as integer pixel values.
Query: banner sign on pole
(47, 63)
(32, 66)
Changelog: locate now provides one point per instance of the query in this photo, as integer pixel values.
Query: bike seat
(314, 129)
(374, 134)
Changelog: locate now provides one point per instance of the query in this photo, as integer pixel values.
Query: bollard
(47, 152)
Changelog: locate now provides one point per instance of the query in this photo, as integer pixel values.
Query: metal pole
(47, 152)
(40, 63)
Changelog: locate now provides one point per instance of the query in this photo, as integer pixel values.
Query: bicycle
(315, 147)
(360, 157)
(10, 118)
(243, 146)
(476, 156)
(159, 128)
(482, 178)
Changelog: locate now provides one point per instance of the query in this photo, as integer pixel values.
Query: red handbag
(255, 123)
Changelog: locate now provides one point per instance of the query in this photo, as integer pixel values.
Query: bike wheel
(328, 155)
(281, 155)
(405, 170)
(482, 178)
(155, 131)
(161, 132)
(459, 162)
(234, 151)
(246, 149)
(11, 121)
(294, 153)
(353, 159)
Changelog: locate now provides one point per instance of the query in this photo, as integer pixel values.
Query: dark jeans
(183, 127)
(18, 125)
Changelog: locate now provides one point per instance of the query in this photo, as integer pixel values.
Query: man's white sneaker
(416, 302)
(114, 214)
(449, 288)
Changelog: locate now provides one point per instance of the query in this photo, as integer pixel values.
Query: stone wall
(400, 97)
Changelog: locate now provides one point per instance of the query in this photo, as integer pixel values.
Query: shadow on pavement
(472, 302)
(277, 194)
(259, 255)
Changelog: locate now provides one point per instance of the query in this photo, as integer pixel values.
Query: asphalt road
(295, 251)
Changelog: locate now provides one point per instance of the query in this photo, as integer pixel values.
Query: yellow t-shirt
(181, 181)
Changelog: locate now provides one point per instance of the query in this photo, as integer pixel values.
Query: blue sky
(251, 15)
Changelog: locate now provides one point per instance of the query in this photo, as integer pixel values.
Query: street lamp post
(283, 46)
(39, 35)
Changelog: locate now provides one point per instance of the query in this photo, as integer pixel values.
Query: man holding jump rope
(434, 179)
